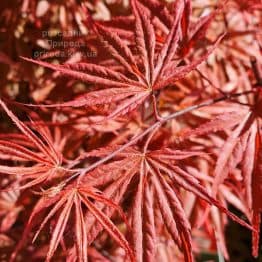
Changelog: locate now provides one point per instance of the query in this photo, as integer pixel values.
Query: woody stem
(81, 172)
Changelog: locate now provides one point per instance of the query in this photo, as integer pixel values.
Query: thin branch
(156, 125)
(156, 114)
(149, 139)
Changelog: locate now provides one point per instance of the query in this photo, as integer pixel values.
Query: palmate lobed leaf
(60, 206)
(49, 152)
(242, 146)
(45, 159)
(156, 173)
(150, 68)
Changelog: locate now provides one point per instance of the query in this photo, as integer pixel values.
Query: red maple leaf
(147, 68)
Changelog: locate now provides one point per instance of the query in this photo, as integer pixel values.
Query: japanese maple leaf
(146, 69)
(60, 203)
(156, 180)
(242, 147)
(30, 148)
